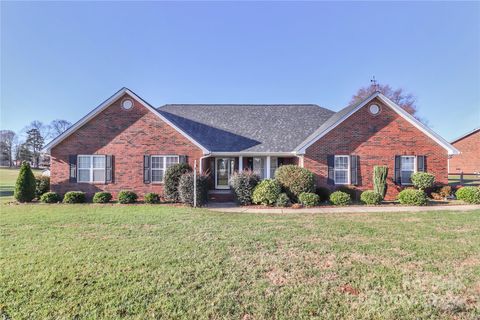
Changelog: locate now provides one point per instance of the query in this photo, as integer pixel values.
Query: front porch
(220, 167)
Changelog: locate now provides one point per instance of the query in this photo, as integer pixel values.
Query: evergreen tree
(25, 185)
(35, 143)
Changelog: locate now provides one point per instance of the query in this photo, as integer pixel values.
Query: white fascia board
(92, 114)
(427, 131)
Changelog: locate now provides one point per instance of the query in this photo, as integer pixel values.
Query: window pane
(341, 162)
(84, 162)
(99, 175)
(408, 163)
(157, 162)
(157, 175)
(406, 177)
(341, 177)
(99, 162)
(171, 161)
(83, 175)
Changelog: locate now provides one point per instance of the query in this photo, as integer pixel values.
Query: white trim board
(427, 131)
(92, 114)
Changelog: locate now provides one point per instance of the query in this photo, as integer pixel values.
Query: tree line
(27, 144)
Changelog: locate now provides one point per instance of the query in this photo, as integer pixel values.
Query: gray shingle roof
(247, 128)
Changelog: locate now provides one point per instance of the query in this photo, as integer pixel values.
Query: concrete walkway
(232, 207)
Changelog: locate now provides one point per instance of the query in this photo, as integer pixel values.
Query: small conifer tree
(25, 185)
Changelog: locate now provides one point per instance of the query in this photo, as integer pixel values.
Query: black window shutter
(354, 170)
(421, 163)
(182, 159)
(72, 161)
(398, 177)
(331, 167)
(108, 169)
(146, 169)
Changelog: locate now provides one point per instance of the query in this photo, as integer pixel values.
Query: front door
(224, 168)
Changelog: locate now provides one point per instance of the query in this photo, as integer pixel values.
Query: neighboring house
(125, 143)
(468, 161)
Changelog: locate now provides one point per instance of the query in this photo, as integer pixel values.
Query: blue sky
(60, 60)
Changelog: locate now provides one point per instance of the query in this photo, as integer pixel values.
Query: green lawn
(7, 182)
(145, 262)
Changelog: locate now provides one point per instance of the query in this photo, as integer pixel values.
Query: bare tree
(7, 139)
(57, 127)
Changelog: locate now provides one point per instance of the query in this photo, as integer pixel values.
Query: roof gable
(466, 135)
(345, 113)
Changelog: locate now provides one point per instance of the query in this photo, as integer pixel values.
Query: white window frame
(91, 169)
(164, 169)
(335, 169)
(414, 169)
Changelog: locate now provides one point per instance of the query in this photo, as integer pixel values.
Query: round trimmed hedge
(423, 180)
(370, 197)
(469, 194)
(42, 185)
(102, 197)
(151, 198)
(126, 197)
(309, 199)
(412, 197)
(50, 197)
(74, 197)
(283, 200)
(294, 180)
(340, 198)
(267, 192)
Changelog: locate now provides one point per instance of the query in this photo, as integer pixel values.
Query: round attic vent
(374, 109)
(127, 104)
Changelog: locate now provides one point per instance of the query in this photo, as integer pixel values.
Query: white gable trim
(92, 114)
(427, 131)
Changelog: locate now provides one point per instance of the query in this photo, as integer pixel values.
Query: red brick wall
(376, 140)
(128, 136)
(468, 160)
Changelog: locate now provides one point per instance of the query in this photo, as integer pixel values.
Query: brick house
(468, 161)
(125, 143)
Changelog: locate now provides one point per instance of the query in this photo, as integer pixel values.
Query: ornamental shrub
(50, 197)
(243, 183)
(423, 180)
(42, 185)
(25, 185)
(340, 198)
(469, 194)
(370, 197)
(185, 188)
(351, 191)
(283, 200)
(412, 197)
(102, 197)
(74, 197)
(151, 198)
(323, 193)
(267, 192)
(295, 180)
(126, 197)
(309, 199)
(380, 174)
(172, 179)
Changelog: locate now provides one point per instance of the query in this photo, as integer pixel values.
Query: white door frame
(229, 172)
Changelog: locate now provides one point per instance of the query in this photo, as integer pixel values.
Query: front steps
(220, 196)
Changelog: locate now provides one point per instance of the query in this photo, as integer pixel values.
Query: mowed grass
(159, 262)
(8, 177)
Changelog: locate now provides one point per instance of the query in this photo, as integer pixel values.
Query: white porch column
(268, 167)
(240, 163)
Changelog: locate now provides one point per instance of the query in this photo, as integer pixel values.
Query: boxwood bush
(126, 197)
(42, 185)
(370, 197)
(340, 198)
(102, 197)
(412, 197)
(267, 192)
(469, 194)
(243, 183)
(283, 200)
(25, 185)
(295, 180)
(185, 189)
(351, 191)
(50, 197)
(172, 180)
(423, 180)
(74, 197)
(309, 199)
(151, 198)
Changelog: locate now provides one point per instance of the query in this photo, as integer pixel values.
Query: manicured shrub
(243, 183)
(102, 197)
(380, 174)
(423, 180)
(152, 198)
(126, 197)
(283, 200)
(295, 180)
(351, 191)
(50, 197)
(185, 188)
(42, 185)
(412, 197)
(25, 185)
(309, 199)
(172, 179)
(267, 192)
(323, 193)
(74, 197)
(469, 194)
(370, 197)
(340, 198)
